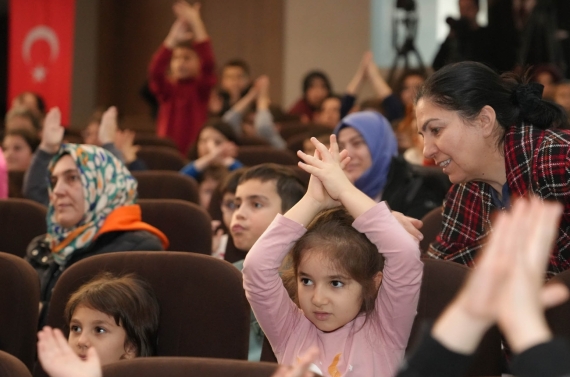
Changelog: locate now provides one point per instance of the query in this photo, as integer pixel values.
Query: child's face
(316, 92)
(184, 63)
(207, 188)
(17, 152)
(409, 89)
(329, 298)
(91, 134)
(209, 139)
(234, 80)
(92, 328)
(257, 204)
(228, 208)
(330, 112)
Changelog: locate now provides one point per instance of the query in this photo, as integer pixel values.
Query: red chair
(161, 158)
(162, 184)
(255, 155)
(21, 220)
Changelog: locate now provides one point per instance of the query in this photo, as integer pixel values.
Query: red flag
(41, 50)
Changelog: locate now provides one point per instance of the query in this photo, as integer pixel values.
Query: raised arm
(36, 177)
(380, 85)
(263, 122)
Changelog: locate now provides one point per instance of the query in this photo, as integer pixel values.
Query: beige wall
(326, 34)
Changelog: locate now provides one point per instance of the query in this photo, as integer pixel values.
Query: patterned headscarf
(107, 185)
(382, 144)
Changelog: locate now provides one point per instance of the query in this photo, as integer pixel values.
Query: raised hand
(52, 132)
(190, 14)
(59, 360)
(411, 225)
(178, 33)
(108, 126)
(328, 168)
(124, 141)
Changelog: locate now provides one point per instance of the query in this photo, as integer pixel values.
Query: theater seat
(558, 318)
(15, 184)
(187, 367)
(187, 226)
(161, 158)
(431, 228)
(258, 154)
(147, 139)
(162, 184)
(19, 299)
(12, 367)
(203, 309)
(20, 221)
(441, 281)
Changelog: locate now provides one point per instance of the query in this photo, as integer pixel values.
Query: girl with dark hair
(115, 315)
(495, 138)
(316, 87)
(346, 301)
(216, 145)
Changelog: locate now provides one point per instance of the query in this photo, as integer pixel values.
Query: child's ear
(130, 351)
(378, 280)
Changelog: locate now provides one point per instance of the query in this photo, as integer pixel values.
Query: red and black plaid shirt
(537, 163)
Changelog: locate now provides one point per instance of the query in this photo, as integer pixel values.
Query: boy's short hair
(22, 112)
(230, 182)
(290, 187)
(237, 63)
(217, 172)
(129, 300)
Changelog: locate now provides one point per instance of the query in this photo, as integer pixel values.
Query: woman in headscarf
(91, 211)
(378, 171)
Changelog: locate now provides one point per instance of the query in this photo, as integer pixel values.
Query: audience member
(329, 113)
(3, 177)
(185, 93)
(209, 180)
(91, 208)
(19, 146)
(235, 82)
(227, 190)
(548, 76)
(506, 288)
(103, 131)
(376, 169)
(263, 192)
(467, 40)
(30, 101)
(262, 124)
(115, 315)
(216, 145)
(316, 87)
(22, 118)
(495, 138)
(562, 95)
(337, 266)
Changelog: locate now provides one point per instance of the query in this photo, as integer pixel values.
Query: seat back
(187, 367)
(12, 367)
(558, 318)
(15, 184)
(162, 184)
(20, 221)
(441, 282)
(161, 158)
(146, 139)
(431, 228)
(187, 226)
(203, 309)
(259, 154)
(19, 299)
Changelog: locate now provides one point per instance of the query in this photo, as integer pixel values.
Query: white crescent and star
(40, 32)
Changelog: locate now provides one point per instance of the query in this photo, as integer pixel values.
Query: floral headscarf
(107, 185)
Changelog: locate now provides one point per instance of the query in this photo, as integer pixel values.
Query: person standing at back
(184, 93)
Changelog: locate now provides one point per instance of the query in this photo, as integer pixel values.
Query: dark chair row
(187, 225)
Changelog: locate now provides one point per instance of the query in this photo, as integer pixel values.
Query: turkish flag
(41, 50)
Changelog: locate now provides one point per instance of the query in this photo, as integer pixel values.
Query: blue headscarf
(382, 144)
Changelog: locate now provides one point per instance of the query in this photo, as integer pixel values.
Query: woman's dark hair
(316, 75)
(129, 300)
(331, 233)
(30, 138)
(408, 73)
(219, 125)
(467, 87)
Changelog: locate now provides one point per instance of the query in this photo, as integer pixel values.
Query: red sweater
(183, 103)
